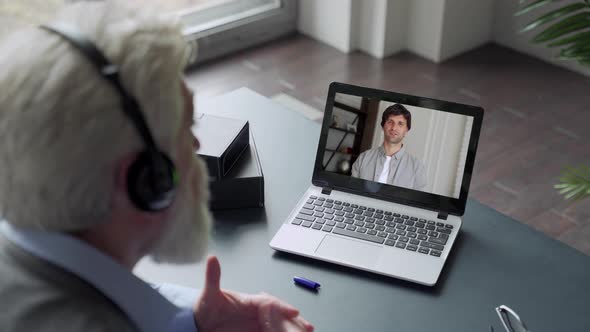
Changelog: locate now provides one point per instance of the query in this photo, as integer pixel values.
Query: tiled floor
(537, 119)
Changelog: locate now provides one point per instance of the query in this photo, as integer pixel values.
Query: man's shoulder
(369, 153)
(414, 161)
(44, 297)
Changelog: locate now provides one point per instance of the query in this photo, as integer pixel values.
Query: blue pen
(306, 283)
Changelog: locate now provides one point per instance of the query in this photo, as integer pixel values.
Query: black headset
(152, 177)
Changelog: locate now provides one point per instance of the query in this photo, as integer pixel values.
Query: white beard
(186, 238)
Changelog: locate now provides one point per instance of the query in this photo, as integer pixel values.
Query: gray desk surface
(496, 260)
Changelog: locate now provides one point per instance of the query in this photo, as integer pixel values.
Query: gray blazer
(38, 296)
(405, 170)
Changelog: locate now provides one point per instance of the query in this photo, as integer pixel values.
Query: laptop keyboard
(365, 223)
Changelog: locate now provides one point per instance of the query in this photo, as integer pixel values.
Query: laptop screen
(405, 148)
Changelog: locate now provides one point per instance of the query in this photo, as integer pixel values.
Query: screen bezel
(439, 203)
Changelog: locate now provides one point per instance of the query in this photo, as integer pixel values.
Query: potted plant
(567, 28)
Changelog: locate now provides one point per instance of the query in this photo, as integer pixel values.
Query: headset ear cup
(142, 178)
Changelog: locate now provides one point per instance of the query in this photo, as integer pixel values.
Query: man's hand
(221, 310)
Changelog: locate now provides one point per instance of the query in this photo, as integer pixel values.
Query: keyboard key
(412, 229)
(348, 221)
(423, 250)
(359, 223)
(400, 227)
(437, 240)
(444, 230)
(361, 230)
(313, 197)
(320, 221)
(308, 206)
(330, 211)
(390, 224)
(393, 237)
(362, 207)
(411, 235)
(378, 216)
(379, 211)
(348, 209)
(431, 245)
(414, 241)
(371, 209)
(330, 200)
(339, 218)
(338, 202)
(369, 226)
(390, 230)
(443, 236)
(398, 220)
(413, 218)
(440, 224)
(309, 201)
(382, 234)
(421, 231)
(318, 203)
(319, 209)
(321, 199)
(306, 211)
(371, 220)
(409, 223)
(420, 225)
(404, 239)
(449, 226)
(327, 228)
(422, 237)
(316, 226)
(339, 213)
(430, 227)
(388, 218)
(433, 234)
(400, 245)
(328, 205)
(340, 225)
(351, 227)
(358, 211)
(328, 216)
(338, 207)
(354, 206)
(389, 242)
(362, 218)
(360, 236)
(405, 217)
(411, 247)
(422, 220)
(435, 253)
(330, 222)
(380, 228)
(397, 215)
(305, 217)
(368, 214)
(296, 221)
(400, 232)
(387, 213)
(306, 224)
(430, 222)
(318, 215)
(372, 232)
(349, 215)
(380, 222)
(345, 204)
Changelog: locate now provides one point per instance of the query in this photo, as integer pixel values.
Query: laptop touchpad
(349, 251)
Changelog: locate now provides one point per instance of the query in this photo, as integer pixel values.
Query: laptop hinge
(442, 215)
(326, 191)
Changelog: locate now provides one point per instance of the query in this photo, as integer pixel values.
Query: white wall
(328, 21)
(506, 27)
(425, 22)
(396, 26)
(467, 24)
(437, 139)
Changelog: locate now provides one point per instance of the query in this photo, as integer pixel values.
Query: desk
(495, 259)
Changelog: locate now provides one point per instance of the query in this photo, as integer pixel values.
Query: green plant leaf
(532, 6)
(554, 15)
(576, 51)
(567, 25)
(578, 37)
(575, 182)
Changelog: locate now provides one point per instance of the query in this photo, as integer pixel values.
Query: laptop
(389, 186)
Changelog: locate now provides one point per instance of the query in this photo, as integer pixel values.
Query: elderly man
(390, 163)
(97, 171)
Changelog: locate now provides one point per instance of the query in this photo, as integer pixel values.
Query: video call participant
(390, 163)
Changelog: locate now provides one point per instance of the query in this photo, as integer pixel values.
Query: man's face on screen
(395, 129)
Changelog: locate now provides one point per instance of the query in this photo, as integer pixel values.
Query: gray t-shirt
(405, 170)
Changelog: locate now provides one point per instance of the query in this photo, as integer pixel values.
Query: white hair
(62, 130)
